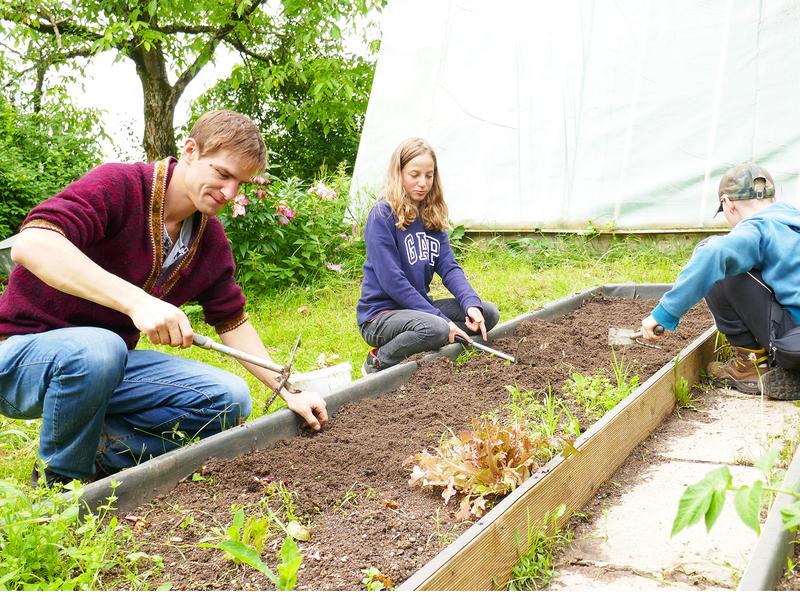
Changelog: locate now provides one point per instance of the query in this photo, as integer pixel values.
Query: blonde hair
(433, 208)
(228, 130)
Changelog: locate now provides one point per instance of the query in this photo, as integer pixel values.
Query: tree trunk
(160, 100)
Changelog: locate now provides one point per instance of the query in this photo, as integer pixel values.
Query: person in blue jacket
(407, 242)
(750, 279)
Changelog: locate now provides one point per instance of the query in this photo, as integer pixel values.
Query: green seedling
(278, 489)
(536, 566)
(186, 521)
(465, 356)
(681, 390)
(244, 541)
(290, 556)
(596, 393)
(375, 581)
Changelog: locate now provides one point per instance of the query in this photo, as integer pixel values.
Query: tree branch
(54, 28)
(208, 50)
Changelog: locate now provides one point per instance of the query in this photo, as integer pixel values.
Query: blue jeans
(100, 402)
(397, 334)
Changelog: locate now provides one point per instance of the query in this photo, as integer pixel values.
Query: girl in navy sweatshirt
(407, 242)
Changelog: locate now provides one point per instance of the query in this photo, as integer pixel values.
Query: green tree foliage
(40, 153)
(311, 113)
(172, 40)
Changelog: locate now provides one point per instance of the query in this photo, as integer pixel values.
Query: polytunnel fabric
(556, 114)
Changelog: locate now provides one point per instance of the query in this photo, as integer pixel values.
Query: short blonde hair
(228, 130)
(433, 207)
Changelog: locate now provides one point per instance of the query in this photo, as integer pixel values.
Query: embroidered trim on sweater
(156, 224)
(187, 258)
(42, 224)
(232, 323)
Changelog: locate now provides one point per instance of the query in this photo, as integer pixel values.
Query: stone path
(627, 545)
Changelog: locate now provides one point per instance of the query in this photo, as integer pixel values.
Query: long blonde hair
(433, 207)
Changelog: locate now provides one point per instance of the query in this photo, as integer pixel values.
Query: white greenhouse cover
(554, 114)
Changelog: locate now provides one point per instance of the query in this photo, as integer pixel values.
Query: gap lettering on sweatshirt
(426, 248)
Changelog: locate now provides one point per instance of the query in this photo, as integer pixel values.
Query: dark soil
(349, 481)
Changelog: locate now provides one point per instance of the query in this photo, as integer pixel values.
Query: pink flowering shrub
(286, 232)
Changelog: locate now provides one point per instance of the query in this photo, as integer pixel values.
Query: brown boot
(742, 371)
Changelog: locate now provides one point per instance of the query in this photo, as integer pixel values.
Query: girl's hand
(456, 332)
(475, 321)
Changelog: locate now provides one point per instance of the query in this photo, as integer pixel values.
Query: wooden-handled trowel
(625, 337)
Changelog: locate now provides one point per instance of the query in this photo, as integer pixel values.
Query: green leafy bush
(40, 154)
(286, 232)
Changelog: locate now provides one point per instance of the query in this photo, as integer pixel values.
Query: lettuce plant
(490, 459)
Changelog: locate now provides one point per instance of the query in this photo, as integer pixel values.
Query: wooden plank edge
(482, 557)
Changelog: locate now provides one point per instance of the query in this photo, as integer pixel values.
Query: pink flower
(333, 267)
(282, 211)
(283, 220)
(323, 191)
(237, 210)
(241, 199)
(260, 193)
(259, 180)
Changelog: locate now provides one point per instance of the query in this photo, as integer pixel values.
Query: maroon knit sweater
(115, 215)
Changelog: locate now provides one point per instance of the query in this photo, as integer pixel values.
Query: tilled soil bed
(349, 481)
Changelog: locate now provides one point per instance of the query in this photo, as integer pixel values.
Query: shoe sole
(782, 384)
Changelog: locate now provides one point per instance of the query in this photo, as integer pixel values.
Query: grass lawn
(518, 280)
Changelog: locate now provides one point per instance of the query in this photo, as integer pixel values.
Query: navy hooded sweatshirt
(401, 264)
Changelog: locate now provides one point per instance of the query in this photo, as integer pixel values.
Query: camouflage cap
(738, 183)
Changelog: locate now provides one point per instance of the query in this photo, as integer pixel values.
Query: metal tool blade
(622, 337)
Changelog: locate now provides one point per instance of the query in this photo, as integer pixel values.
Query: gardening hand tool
(209, 344)
(283, 380)
(624, 337)
(471, 342)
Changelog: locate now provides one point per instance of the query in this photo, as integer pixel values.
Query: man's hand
(455, 332)
(310, 406)
(162, 322)
(648, 329)
(475, 321)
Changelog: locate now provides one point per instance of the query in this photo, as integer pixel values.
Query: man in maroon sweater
(115, 254)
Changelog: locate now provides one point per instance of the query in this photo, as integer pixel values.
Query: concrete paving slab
(633, 533)
(739, 429)
(579, 579)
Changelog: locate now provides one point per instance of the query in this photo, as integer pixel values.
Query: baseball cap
(739, 183)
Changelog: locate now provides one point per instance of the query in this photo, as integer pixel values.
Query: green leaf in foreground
(791, 515)
(748, 505)
(767, 461)
(720, 480)
(702, 499)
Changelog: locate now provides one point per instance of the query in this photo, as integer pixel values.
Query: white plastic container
(324, 381)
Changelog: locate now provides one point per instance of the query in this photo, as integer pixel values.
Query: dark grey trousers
(397, 334)
(746, 311)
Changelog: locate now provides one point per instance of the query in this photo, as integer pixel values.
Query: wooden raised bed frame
(483, 556)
